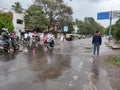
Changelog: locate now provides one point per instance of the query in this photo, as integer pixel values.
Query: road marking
(89, 85)
(80, 66)
(70, 83)
(75, 77)
(15, 69)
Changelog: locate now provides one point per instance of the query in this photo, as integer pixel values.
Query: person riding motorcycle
(45, 39)
(51, 40)
(14, 40)
(35, 39)
(6, 37)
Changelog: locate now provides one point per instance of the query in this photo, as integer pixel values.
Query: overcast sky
(81, 8)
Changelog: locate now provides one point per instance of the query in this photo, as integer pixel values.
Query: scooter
(15, 44)
(5, 45)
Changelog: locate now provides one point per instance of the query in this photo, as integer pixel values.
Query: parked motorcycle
(2, 44)
(5, 44)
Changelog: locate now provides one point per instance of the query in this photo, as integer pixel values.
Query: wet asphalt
(67, 66)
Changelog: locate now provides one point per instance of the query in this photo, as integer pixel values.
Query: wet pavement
(68, 66)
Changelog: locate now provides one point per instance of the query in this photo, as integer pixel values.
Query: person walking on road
(62, 38)
(96, 41)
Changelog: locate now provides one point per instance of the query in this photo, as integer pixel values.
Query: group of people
(48, 38)
(31, 40)
(96, 41)
(28, 40)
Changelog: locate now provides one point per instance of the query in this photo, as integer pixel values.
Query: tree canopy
(57, 11)
(35, 19)
(116, 29)
(17, 7)
(88, 26)
(6, 21)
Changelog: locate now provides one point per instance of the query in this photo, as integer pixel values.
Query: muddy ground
(113, 71)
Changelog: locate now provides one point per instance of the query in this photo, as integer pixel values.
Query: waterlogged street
(68, 66)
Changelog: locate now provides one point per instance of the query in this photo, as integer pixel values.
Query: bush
(117, 42)
(6, 21)
(115, 60)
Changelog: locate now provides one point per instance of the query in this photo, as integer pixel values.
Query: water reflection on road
(47, 65)
(68, 66)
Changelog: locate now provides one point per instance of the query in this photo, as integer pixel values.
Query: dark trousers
(96, 48)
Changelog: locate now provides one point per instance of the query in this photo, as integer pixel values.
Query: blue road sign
(65, 28)
(103, 15)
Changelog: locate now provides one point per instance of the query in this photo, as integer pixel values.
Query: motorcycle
(35, 40)
(15, 44)
(50, 44)
(5, 45)
(1, 44)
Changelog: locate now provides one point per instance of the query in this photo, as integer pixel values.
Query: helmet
(5, 29)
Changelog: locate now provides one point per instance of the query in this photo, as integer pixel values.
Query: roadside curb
(115, 46)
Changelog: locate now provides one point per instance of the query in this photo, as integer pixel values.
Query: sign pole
(110, 26)
(108, 15)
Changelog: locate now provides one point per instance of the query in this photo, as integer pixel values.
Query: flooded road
(68, 66)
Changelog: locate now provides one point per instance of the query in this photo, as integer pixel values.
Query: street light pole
(110, 26)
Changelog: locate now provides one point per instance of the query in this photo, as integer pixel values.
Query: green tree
(6, 21)
(57, 11)
(17, 7)
(95, 26)
(113, 30)
(88, 26)
(35, 19)
(117, 30)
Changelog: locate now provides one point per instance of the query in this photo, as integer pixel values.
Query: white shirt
(25, 35)
(50, 37)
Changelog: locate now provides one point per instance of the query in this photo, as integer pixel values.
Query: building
(18, 21)
(76, 29)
